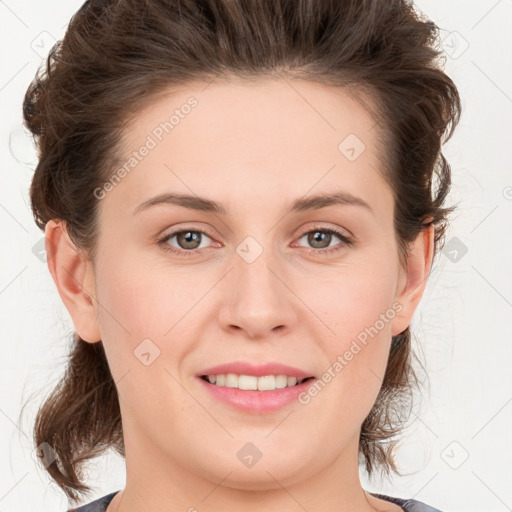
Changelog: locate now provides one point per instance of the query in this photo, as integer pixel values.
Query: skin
(255, 147)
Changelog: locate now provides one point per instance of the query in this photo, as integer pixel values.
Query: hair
(118, 55)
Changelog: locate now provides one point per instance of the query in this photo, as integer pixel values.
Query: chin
(266, 474)
(259, 479)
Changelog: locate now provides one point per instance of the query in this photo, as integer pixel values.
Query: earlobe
(72, 274)
(413, 282)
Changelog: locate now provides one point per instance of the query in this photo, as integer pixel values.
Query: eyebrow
(207, 205)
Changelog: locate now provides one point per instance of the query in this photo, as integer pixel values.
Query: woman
(241, 202)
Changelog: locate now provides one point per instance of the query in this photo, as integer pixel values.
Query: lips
(255, 402)
(257, 370)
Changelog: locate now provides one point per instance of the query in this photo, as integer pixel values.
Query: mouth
(255, 388)
(255, 395)
(254, 383)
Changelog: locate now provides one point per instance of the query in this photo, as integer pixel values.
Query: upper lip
(256, 370)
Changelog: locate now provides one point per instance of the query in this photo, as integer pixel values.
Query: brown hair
(118, 55)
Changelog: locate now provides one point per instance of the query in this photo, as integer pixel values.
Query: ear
(73, 276)
(413, 279)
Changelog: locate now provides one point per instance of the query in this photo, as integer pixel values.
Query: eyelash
(346, 241)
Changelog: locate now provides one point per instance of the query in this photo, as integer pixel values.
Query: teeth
(244, 381)
(281, 381)
(231, 380)
(250, 382)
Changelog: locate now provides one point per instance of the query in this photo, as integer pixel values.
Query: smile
(253, 383)
(268, 399)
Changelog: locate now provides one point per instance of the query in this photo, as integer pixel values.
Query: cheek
(141, 302)
(138, 307)
(350, 301)
(357, 307)
(128, 310)
(141, 299)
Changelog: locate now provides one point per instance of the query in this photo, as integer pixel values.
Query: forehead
(291, 109)
(256, 134)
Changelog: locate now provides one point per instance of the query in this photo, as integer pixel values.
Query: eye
(320, 239)
(188, 240)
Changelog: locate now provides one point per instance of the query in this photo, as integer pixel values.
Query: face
(179, 290)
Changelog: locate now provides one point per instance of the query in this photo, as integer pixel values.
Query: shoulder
(99, 505)
(409, 505)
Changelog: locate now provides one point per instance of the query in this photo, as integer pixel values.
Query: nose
(259, 300)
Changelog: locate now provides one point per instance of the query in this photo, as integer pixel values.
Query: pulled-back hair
(118, 55)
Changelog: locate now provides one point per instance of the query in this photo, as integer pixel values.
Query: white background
(463, 324)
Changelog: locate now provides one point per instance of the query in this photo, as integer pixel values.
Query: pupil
(189, 237)
(316, 237)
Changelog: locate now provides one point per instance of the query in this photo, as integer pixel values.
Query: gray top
(101, 504)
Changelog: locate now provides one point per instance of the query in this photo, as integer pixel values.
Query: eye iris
(188, 237)
(313, 239)
(319, 239)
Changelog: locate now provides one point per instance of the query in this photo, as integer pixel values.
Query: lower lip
(259, 402)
